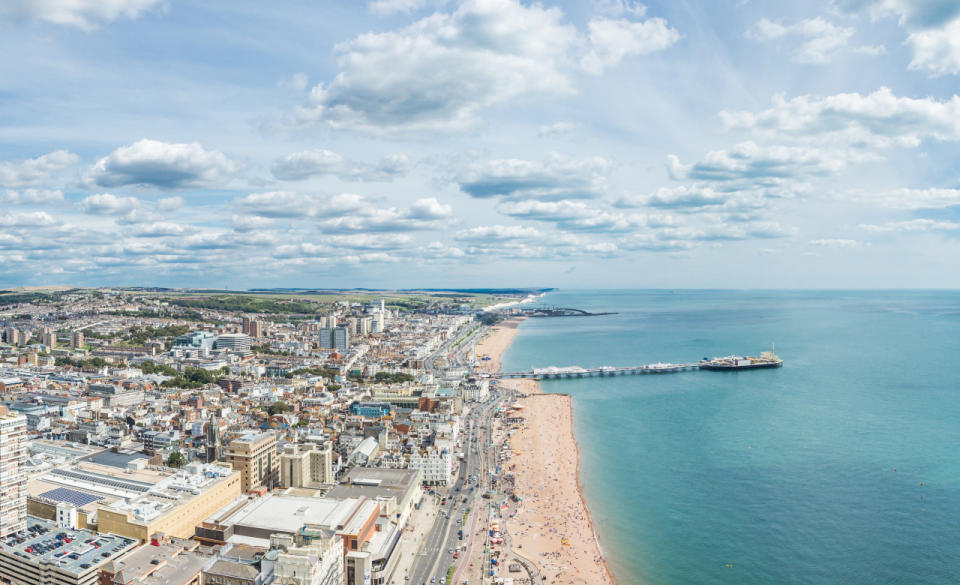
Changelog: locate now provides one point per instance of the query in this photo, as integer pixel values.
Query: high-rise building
(13, 480)
(334, 338)
(341, 338)
(254, 455)
(49, 339)
(212, 435)
(255, 329)
(308, 468)
(245, 327)
(76, 339)
(12, 336)
(235, 342)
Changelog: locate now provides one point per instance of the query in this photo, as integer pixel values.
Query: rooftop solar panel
(74, 497)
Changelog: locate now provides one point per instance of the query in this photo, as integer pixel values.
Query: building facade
(13, 481)
(254, 455)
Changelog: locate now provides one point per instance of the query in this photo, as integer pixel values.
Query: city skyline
(431, 143)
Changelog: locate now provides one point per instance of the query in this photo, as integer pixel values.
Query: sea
(841, 467)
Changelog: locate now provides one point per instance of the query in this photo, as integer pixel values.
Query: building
(255, 329)
(371, 409)
(48, 337)
(334, 338)
(45, 554)
(12, 336)
(235, 342)
(116, 395)
(13, 481)
(214, 446)
(163, 563)
(76, 339)
(245, 325)
(314, 556)
(476, 390)
(195, 340)
(306, 468)
(129, 499)
(398, 490)
(254, 455)
(435, 463)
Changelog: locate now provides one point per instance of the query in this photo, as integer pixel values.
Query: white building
(313, 557)
(13, 481)
(476, 391)
(435, 463)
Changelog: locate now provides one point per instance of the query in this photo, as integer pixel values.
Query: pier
(551, 311)
(578, 372)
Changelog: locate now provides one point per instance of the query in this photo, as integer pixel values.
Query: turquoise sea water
(842, 467)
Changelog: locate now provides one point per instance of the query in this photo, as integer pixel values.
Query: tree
(176, 459)
(277, 407)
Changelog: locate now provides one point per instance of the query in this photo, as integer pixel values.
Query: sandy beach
(552, 526)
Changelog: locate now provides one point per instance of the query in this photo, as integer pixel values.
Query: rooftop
(288, 513)
(75, 551)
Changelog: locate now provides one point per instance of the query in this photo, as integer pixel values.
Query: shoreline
(544, 483)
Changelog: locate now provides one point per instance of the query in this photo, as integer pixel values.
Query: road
(434, 557)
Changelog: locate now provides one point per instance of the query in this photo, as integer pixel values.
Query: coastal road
(434, 557)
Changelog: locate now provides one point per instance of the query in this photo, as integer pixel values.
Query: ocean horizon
(839, 467)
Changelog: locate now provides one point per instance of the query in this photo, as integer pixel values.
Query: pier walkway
(578, 372)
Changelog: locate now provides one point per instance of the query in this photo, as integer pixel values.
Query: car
(450, 551)
(433, 579)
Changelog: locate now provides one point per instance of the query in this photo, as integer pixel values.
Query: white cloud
(248, 223)
(318, 162)
(680, 197)
(27, 219)
(390, 7)
(291, 204)
(573, 215)
(163, 165)
(619, 8)
(556, 178)
(933, 28)
(936, 50)
(437, 73)
(170, 203)
(108, 204)
(613, 39)
(834, 243)
(879, 118)
(35, 172)
(870, 50)
(498, 233)
(914, 198)
(913, 225)
(31, 197)
(820, 39)
(159, 229)
(83, 14)
(751, 162)
(556, 129)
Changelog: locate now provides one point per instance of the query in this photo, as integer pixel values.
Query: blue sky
(405, 143)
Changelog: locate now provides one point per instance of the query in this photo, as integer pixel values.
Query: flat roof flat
(289, 513)
(41, 541)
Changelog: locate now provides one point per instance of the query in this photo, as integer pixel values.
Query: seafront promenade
(550, 525)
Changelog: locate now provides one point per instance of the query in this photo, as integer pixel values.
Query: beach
(551, 527)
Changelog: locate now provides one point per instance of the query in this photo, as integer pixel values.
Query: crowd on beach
(551, 526)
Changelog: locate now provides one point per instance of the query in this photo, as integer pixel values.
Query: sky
(483, 143)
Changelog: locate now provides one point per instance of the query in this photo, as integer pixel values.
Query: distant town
(184, 437)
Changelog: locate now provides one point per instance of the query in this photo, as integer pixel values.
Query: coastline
(552, 518)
